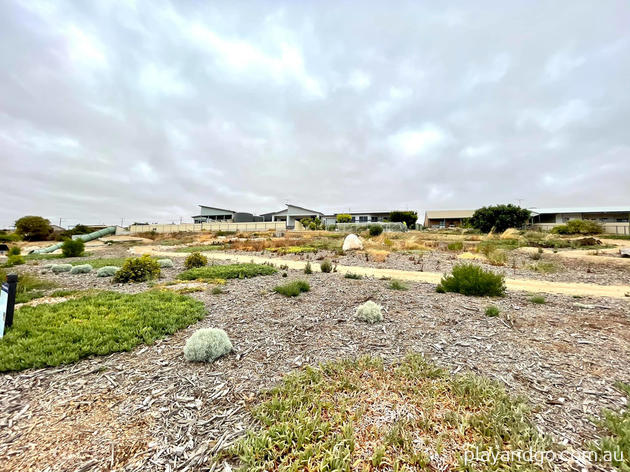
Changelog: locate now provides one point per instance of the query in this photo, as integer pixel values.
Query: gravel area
(149, 409)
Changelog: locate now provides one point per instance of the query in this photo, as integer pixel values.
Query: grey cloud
(142, 110)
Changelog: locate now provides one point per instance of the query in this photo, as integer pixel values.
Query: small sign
(4, 305)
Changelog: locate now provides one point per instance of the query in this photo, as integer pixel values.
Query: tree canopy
(407, 217)
(499, 218)
(33, 228)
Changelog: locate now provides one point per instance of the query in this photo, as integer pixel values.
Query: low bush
(73, 248)
(326, 266)
(579, 227)
(472, 280)
(165, 263)
(29, 287)
(492, 311)
(207, 345)
(81, 269)
(196, 259)
(350, 275)
(9, 237)
(216, 290)
(543, 267)
(536, 256)
(138, 269)
(293, 289)
(107, 271)
(308, 269)
(14, 260)
(369, 312)
(230, 271)
(538, 299)
(397, 285)
(14, 251)
(58, 268)
(375, 230)
(455, 246)
(54, 334)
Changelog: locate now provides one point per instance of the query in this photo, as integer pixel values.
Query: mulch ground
(149, 409)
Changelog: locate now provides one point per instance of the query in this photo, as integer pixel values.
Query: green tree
(344, 218)
(407, 217)
(33, 228)
(499, 218)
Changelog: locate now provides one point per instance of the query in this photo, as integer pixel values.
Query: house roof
(219, 209)
(610, 209)
(442, 214)
(302, 208)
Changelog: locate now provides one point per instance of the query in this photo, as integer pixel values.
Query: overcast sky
(144, 109)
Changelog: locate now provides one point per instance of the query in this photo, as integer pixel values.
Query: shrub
(58, 268)
(326, 266)
(230, 271)
(73, 248)
(397, 285)
(407, 217)
(165, 263)
(375, 230)
(579, 227)
(344, 218)
(536, 256)
(9, 237)
(492, 311)
(33, 228)
(107, 271)
(350, 275)
(499, 218)
(292, 289)
(308, 269)
(470, 279)
(81, 269)
(538, 299)
(196, 259)
(369, 312)
(207, 345)
(544, 267)
(14, 251)
(455, 246)
(138, 269)
(14, 260)
(217, 290)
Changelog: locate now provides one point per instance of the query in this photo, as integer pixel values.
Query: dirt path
(527, 285)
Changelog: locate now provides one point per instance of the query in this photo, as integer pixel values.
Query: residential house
(446, 218)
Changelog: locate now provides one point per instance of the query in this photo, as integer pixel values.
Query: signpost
(7, 302)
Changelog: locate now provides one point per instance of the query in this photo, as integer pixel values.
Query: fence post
(10, 287)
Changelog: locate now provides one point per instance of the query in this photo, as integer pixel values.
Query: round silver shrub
(58, 268)
(370, 312)
(207, 345)
(81, 269)
(165, 263)
(107, 271)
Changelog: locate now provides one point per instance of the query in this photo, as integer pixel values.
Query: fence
(198, 227)
(354, 227)
(609, 228)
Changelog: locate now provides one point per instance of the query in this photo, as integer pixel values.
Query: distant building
(360, 217)
(446, 218)
(291, 214)
(210, 214)
(612, 214)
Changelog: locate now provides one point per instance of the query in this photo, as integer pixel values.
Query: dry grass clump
(378, 255)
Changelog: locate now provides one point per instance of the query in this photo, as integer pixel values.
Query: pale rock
(351, 243)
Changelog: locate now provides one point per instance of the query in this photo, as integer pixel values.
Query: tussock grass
(471, 279)
(350, 275)
(29, 287)
(230, 271)
(538, 300)
(293, 289)
(361, 415)
(53, 334)
(544, 267)
(397, 285)
(616, 427)
(492, 311)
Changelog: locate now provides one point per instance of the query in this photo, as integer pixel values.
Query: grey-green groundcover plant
(207, 345)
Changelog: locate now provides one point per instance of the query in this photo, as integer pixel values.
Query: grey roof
(554, 210)
(215, 208)
(302, 208)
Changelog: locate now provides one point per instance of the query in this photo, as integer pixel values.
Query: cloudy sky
(140, 110)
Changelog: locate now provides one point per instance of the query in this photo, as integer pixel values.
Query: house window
(374, 219)
(363, 219)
